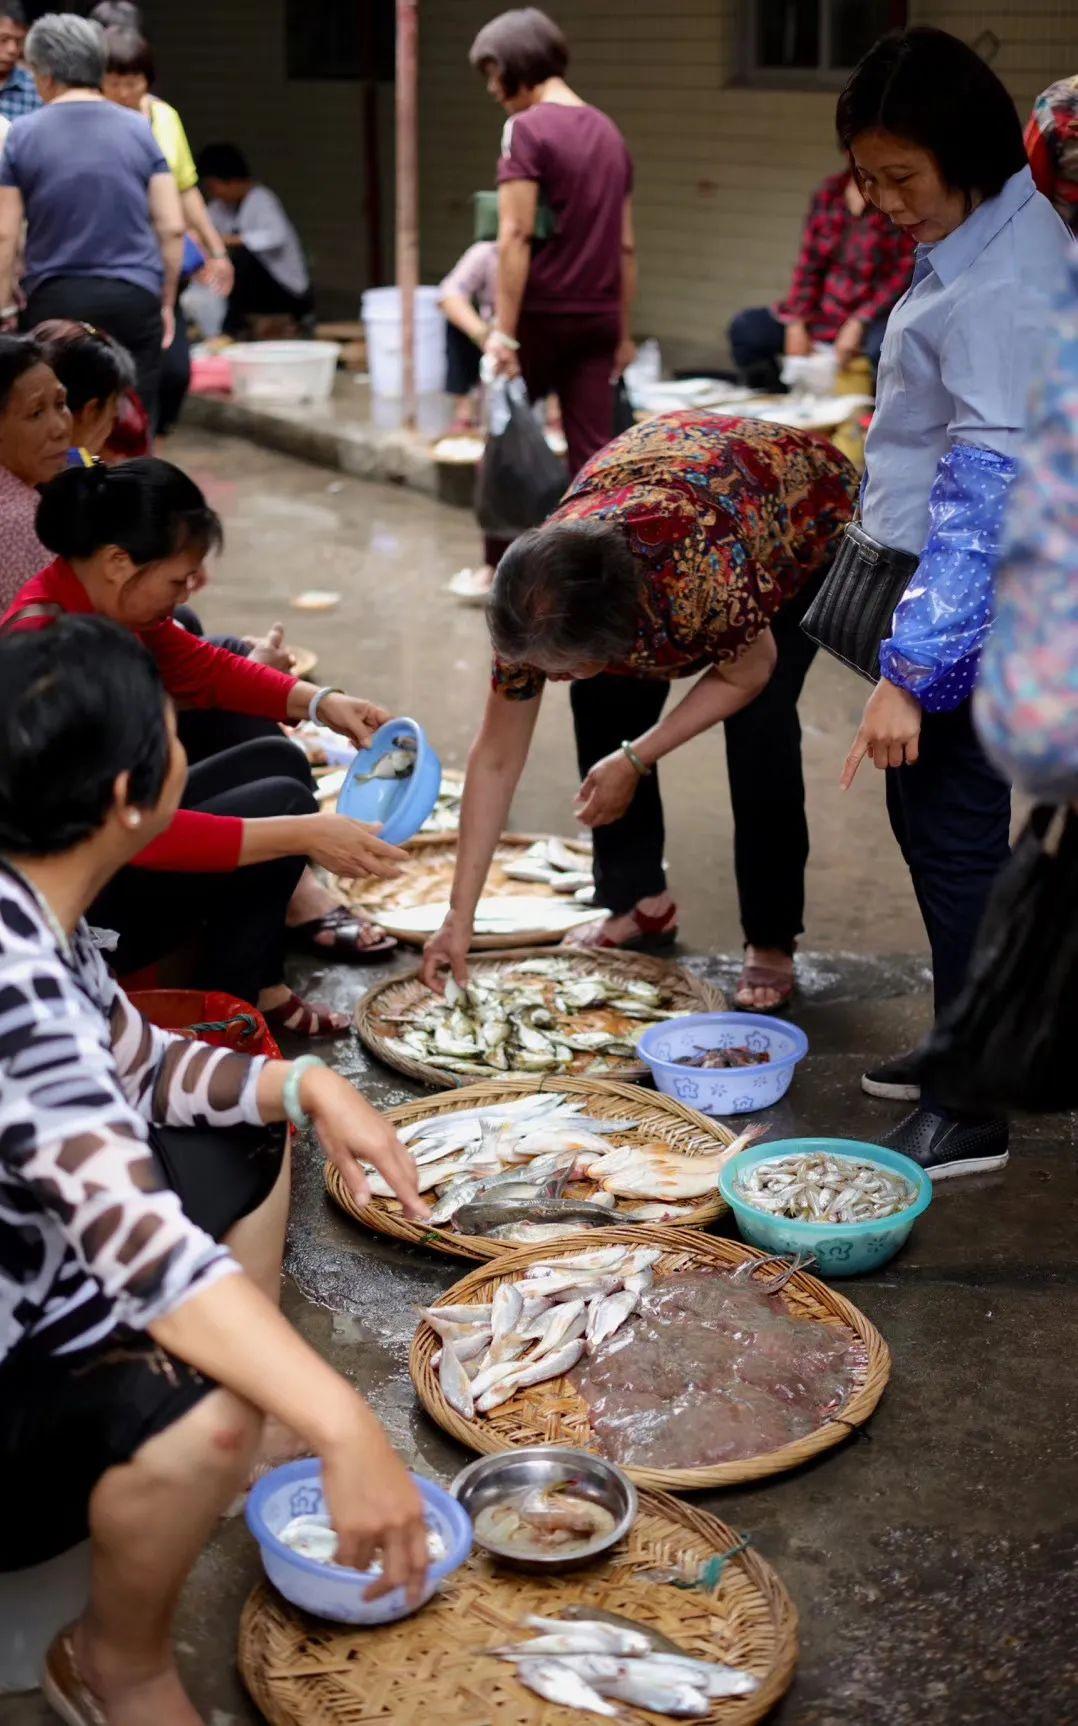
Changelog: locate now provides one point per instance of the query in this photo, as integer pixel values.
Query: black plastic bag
(624, 418)
(1008, 1042)
(520, 478)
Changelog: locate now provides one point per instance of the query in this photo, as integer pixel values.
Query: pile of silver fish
(445, 816)
(551, 863)
(522, 1021)
(537, 1327)
(824, 1188)
(592, 1660)
(506, 1171)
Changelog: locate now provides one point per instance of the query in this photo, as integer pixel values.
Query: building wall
(724, 171)
(223, 64)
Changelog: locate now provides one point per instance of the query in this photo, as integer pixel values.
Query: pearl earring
(134, 818)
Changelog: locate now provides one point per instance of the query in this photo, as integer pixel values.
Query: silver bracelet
(317, 699)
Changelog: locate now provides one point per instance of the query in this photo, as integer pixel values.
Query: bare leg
(257, 1241)
(149, 1520)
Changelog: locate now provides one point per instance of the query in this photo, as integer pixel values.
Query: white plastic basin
(283, 371)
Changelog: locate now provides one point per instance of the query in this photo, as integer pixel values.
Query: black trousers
(767, 789)
(950, 813)
(255, 291)
(462, 359)
(240, 916)
(132, 315)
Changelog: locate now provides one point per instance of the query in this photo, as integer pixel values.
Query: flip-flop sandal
(653, 933)
(765, 977)
(346, 927)
(303, 1020)
(65, 1689)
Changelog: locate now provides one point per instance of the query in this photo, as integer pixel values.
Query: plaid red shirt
(849, 266)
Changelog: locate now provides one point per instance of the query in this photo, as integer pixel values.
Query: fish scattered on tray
(512, 1169)
(710, 1368)
(552, 863)
(445, 816)
(587, 1664)
(538, 1017)
(735, 1056)
(822, 1188)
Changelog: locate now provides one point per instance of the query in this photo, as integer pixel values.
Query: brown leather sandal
(302, 1019)
(783, 983)
(651, 933)
(346, 927)
(65, 1689)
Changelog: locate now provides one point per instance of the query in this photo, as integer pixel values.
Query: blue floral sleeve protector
(942, 619)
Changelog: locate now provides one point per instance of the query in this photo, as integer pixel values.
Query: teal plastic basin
(840, 1249)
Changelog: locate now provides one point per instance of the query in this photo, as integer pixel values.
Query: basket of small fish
(510, 1165)
(680, 1618)
(690, 1361)
(850, 1205)
(570, 1011)
(526, 869)
(724, 1063)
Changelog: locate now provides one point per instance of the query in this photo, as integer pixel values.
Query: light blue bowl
(333, 1590)
(401, 805)
(723, 1090)
(840, 1249)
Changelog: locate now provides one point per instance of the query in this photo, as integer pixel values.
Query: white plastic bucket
(381, 314)
(283, 371)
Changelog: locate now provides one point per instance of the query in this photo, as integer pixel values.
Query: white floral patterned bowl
(723, 1090)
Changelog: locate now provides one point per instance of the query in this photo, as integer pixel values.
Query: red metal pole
(408, 193)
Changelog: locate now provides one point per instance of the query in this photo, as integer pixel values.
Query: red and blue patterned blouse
(729, 518)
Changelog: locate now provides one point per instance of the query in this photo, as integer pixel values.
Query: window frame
(823, 77)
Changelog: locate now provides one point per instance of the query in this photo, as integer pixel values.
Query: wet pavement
(933, 1561)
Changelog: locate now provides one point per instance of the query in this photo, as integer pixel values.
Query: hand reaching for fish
(607, 791)
(375, 1506)
(352, 1133)
(446, 953)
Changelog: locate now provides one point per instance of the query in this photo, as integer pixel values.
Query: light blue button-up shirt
(961, 351)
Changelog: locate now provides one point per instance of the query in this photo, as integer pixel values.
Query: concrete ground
(933, 1563)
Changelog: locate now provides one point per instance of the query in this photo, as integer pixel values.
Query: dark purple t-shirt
(585, 173)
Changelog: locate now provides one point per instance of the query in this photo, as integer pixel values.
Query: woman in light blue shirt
(936, 143)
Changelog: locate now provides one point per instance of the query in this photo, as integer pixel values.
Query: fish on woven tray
(712, 1368)
(514, 1169)
(540, 1016)
(824, 1188)
(587, 1664)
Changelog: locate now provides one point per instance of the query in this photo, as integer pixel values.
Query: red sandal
(652, 932)
(303, 1020)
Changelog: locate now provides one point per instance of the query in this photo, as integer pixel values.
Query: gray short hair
(69, 49)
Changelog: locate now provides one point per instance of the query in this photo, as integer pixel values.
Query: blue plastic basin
(723, 1090)
(333, 1590)
(840, 1249)
(401, 805)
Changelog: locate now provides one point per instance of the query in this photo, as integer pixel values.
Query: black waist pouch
(851, 614)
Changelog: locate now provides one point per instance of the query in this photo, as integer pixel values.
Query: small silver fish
(533, 1372)
(608, 1315)
(564, 1324)
(454, 1382)
(557, 1683)
(582, 1634)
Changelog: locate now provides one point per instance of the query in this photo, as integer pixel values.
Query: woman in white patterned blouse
(143, 1199)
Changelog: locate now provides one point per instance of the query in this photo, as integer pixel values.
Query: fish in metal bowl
(546, 1508)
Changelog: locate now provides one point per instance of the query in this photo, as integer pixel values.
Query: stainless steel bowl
(495, 1478)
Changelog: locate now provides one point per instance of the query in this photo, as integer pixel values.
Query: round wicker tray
(661, 1119)
(553, 1413)
(434, 1668)
(305, 661)
(688, 994)
(434, 859)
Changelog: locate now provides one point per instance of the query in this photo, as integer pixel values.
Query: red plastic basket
(214, 1017)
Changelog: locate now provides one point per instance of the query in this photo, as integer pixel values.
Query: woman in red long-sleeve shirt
(131, 541)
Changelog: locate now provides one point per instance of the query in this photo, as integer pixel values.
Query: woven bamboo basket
(305, 661)
(688, 994)
(553, 1413)
(429, 878)
(434, 1668)
(660, 1119)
